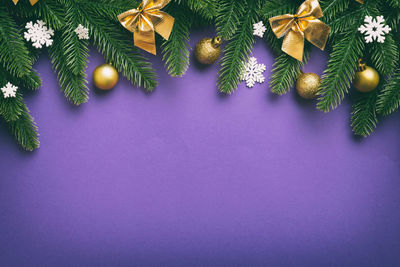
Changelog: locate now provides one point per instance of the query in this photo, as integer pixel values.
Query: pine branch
(176, 49)
(25, 130)
(116, 44)
(69, 57)
(364, 117)
(204, 8)
(229, 17)
(14, 56)
(285, 72)
(385, 56)
(389, 98)
(237, 50)
(340, 72)
(11, 108)
(331, 8)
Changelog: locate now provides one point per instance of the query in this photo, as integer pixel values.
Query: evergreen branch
(14, 56)
(229, 17)
(364, 117)
(385, 55)
(69, 57)
(331, 8)
(389, 98)
(205, 8)
(25, 131)
(285, 72)
(176, 48)
(115, 43)
(11, 108)
(340, 72)
(237, 50)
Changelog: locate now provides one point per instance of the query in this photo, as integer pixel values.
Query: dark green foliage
(364, 117)
(238, 49)
(389, 98)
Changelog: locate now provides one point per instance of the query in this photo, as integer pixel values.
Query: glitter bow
(304, 24)
(145, 20)
(32, 2)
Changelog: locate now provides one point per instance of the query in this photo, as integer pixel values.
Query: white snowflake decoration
(82, 32)
(9, 90)
(38, 34)
(253, 72)
(374, 29)
(259, 29)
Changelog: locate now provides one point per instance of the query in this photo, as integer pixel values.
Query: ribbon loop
(304, 24)
(145, 21)
(31, 1)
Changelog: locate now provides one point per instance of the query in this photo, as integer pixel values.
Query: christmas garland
(362, 38)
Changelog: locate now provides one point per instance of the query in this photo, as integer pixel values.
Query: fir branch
(176, 48)
(237, 50)
(340, 72)
(364, 117)
(331, 8)
(116, 44)
(25, 130)
(14, 56)
(285, 72)
(69, 57)
(389, 98)
(385, 55)
(205, 8)
(229, 17)
(11, 108)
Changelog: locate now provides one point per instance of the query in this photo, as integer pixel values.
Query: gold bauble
(307, 85)
(208, 50)
(105, 77)
(366, 80)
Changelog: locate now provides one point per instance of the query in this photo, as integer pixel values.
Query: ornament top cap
(216, 41)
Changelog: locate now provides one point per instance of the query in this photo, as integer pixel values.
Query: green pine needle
(364, 118)
(389, 98)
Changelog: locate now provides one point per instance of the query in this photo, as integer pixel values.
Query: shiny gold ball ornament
(208, 50)
(105, 77)
(366, 78)
(307, 85)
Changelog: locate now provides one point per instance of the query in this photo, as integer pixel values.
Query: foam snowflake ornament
(38, 34)
(82, 32)
(253, 72)
(9, 90)
(259, 29)
(374, 29)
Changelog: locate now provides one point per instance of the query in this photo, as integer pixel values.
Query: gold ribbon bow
(32, 2)
(145, 20)
(304, 24)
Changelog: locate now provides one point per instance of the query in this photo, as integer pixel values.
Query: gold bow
(32, 2)
(146, 19)
(305, 23)
(360, 1)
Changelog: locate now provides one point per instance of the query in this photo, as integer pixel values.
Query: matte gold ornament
(307, 85)
(105, 77)
(208, 50)
(304, 24)
(31, 1)
(366, 78)
(145, 20)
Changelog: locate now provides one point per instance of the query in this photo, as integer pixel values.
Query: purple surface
(188, 177)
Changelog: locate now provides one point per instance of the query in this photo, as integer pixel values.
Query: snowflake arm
(259, 29)
(9, 90)
(82, 32)
(38, 34)
(253, 72)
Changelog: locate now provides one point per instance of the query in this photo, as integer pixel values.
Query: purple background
(188, 177)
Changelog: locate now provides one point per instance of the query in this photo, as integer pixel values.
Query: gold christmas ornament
(304, 24)
(366, 78)
(145, 20)
(31, 1)
(208, 50)
(105, 77)
(307, 85)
